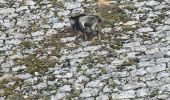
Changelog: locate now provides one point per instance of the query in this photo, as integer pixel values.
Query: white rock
(167, 1)
(22, 23)
(58, 25)
(107, 89)
(64, 13)
(38, 33)
(125, 95)
(106, 30)
(30, 2)
(133, 86)
(40, 86)
(96, 83)
(50, 32)
(130, 23)
(3, 37)
(80, 0)
(156, 68)
(117, 62)
(24, 76)
(147, 29)
(165, 87)
(152, 3)
(72, 5)
(89, 92)
(83, 79)
(58, 96)
(168, 53)
(167, 21)
(6, 10)
(2, 1)
(46, 26)
(140, 72)
(21, 8)
(13, 41)
(18, 68)
(103, 97)
(92, 48)
(7, 24)
(68, 75)
(67, 39)
(142, 92)
(65, 88)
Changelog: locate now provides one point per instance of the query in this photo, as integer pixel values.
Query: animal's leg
(93, 28)
(83, 30)
(78, 35)
(99, 36)
(85, 36)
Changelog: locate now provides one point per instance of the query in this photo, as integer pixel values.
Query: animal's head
(72, 20)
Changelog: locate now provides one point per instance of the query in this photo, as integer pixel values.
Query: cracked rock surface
(40, 58)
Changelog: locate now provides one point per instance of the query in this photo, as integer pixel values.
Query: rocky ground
(40, 58)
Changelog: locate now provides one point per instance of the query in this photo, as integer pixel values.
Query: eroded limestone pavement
(39, 58)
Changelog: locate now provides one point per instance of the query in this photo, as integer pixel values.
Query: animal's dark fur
(86, 24)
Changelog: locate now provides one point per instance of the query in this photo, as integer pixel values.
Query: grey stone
(51, 32)
(106, 30)
(95, 84)
(92, 48)
(102, 97)
(58, 96)
(146, 63)
(18, 68)
(163, 74)
(156, 68)
(132, 44)
(140, 72)
(89, 92)
(125, 95)
(38, 33)
(147, 29)
(165, 87)
(68, 75)
(22, 8)
(152, 51)
(121, 74)
(152, 3)
(6, 10)
(163, 28)
(167, 1)
(130, 23)
(68, 39)
(24, 76)
(134, 85)
(107, 89)
(65, 88)
(149, 76)
(154, 83)
(64, 13)
(117, 62)
(163, 96)
(40, 86)
(22, 23)
(162, 60)
(69, 5)
(3, 36)
(167, 54)
(167, 21)
(58, 25)
(142, 92)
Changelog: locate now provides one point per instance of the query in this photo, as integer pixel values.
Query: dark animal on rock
(86, 24)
